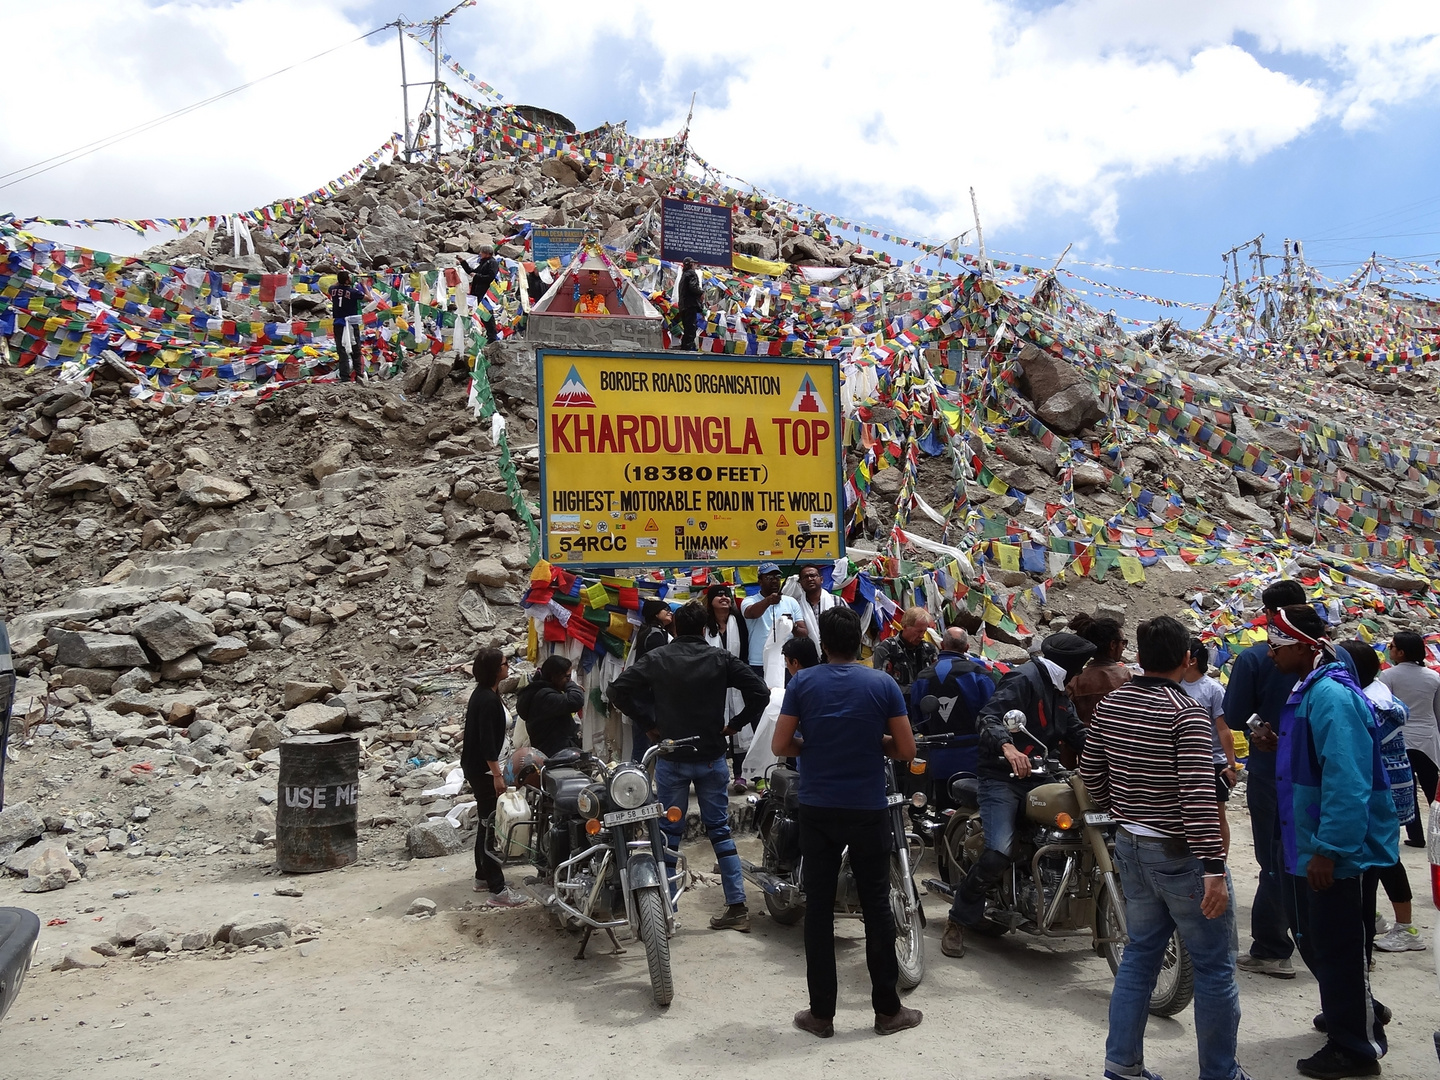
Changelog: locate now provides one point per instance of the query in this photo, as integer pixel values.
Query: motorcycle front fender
(641, 871)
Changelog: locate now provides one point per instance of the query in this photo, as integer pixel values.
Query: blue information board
(699, 231)
(548, 244)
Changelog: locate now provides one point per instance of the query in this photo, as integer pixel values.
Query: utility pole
(979, 233)
(438, 110)
(404, 86)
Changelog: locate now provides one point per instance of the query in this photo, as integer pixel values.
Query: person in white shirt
(814, 600)
(1208, 692)
(1419, 688)
(766, 615)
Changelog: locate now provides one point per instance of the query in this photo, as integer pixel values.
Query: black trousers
(349, 368)
(1331, 934)
(1427, 776)
(824, 835)
(689, 321)
(488, 867)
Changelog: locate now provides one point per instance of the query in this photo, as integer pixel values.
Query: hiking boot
(1401, 939)
(805, 1020)
(953, 943)
(1382, 1013)
(1259, 965)
(1332, 1062)
(734, 917)
(507, 898)
(905, 1018)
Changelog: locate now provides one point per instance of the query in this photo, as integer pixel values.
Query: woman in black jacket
(480, 759)
(548, 707)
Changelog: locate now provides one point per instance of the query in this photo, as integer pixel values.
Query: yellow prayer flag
(1131, 569)
(1008, 556)
(993, 614)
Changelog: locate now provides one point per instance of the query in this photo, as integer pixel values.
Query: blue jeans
(999, 804)
(711, 779)
(1162, 892)
(1273, 914)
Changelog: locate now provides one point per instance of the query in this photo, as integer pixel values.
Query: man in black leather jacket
(548, 707)
(1037, 689)
(684, 685)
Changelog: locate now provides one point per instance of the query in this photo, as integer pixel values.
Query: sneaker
(1382, 925)
(1414, 843)
(902, 1020)
(1146, 1074)
(1259, 965)
(805, 1020)
(507, 898)
(1401, 939)
(953, 943)
(1382, 1013)
(480, 885)
(1334, 1063)
(734, 917)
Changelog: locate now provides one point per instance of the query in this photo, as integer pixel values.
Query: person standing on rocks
(691, 301)
(485, 727)
(486, 270)
(687, 683)
(548, 706)
(345, 315)
(842, 719)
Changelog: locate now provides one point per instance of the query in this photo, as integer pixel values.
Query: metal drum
(315, 808)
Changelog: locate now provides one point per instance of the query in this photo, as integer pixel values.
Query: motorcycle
(601, 855)
(1062, 879)
(779, 874)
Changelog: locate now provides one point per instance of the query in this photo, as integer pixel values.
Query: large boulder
(1063, 398)
(433, 839)
(172, 630)
(98, 439)
(85, 478)
(315, 717)
(83, 649)
(206, 490)
(19, 823)
(390, 236)
(248, 927)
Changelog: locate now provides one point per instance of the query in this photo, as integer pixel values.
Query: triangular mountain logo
(807, 398)
(573, 394)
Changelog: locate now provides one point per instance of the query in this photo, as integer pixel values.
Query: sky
(1145, 133)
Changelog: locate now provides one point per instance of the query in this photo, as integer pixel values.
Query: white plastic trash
(511, 809)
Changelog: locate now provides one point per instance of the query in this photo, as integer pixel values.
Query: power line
(64, 158)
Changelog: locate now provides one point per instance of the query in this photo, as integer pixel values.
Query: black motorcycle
(780, 871)
(601, 854)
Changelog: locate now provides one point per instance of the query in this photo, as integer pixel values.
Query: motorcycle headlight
(918, 800)
(629, 788)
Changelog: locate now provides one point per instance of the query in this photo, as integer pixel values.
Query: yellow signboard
(654, 459)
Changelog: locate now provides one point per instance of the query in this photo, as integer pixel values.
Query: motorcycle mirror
(1013, 720)
(929, 705)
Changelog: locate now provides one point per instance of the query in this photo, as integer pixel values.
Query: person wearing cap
(691, 299)
(1258, 688)
(904, 656)
(1148, 761)
(1337, 820)
(763, 612)
(1036, 688)
(486, 270)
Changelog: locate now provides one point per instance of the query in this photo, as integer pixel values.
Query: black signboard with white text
(699, 231)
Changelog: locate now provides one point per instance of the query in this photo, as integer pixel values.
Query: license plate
(625, 817)
(895, 800)
(1098, 817)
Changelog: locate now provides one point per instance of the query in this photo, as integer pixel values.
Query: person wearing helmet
(1038, 689)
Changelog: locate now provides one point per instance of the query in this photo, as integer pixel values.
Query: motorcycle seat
(564, 758)
(785, 785)
(965, 791)
(564, 786)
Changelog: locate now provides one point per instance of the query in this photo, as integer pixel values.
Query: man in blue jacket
(1337, 820)
(1258, 688)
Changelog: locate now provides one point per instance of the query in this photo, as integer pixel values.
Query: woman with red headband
(1337, 820)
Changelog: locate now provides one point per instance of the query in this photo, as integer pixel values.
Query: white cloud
(886, 114)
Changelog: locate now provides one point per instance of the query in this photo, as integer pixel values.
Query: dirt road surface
(497, 993)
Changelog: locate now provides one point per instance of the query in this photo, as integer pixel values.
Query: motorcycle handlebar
(665, 746)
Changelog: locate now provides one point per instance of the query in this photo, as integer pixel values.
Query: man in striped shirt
(1147, 760)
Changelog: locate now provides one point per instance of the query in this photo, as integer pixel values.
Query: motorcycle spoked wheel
(650, 913)
(1174, 986)
(909, 928)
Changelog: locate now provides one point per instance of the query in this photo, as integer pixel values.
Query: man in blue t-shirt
(1258, 688)
(841, 720)
(345, 314)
